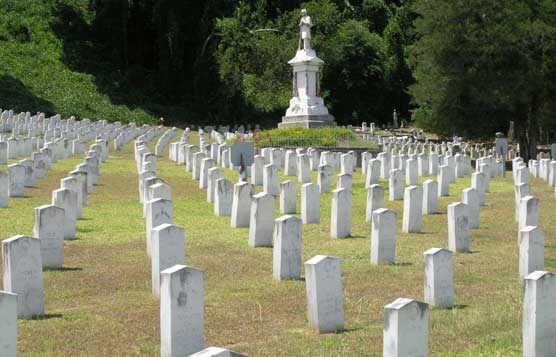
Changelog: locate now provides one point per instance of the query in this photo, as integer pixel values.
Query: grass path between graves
(100, 304)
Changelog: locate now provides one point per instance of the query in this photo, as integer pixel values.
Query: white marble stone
(375, 200)
(411, 173)
(458, 228)
(443, 181)
(341, 211)
(67, 200)
(159, 211)
(16, 174)
(241, 205)
(520, 191)
(223, 198)
(372, 173)
(324, 178)
(182, 321)
(539, 314)
(30, 178)
(470, 197)
(206, 164)
(478, 182)
(395, 185)
(383, 237)
(528, 212)
(261, 220)
(270, 180)
(423, 164)
(214, 173)
(290, 167)
(310, 203)
(325, 301)
(485, 169)
(49, 228)
(257, 170)
(412, 209)
(4, 189)
(168, 249)
(196, 166)
(303, 168)
(8, 324)
(288, 197)
(344, 181)
(439, 278)
(430, 197)
(286, 253)
(531, 250)
(346, 164)
(22, 266)
(406, 329)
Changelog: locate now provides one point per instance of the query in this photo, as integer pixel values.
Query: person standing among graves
(242, 172)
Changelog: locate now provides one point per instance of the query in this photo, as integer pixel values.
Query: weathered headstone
(288, 197)
(528, 212)
(223, 198)
(168, 249)
(22, 266)
(182, 321)
(383, 236)
(270, 180)
(439, 278)
(470, 197)
(412, 209)
(443, 180)
(341, 211)
(406, 328)
(539, 314)
(49, 228)
(396, 190)
(8, 324)
(310, 203)
(206, 164)
(262, 220)
(159, 211)
(430, 197)
(375, 200)
(4, 189)
(303, 169)
(214, 173)
(67, 200)
(325, 301)
(531, 250)
(324, 178)
(241, 205)
(286, 263)
(16, 174)
(458, 228)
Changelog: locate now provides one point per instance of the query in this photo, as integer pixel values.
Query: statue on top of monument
(305, 25)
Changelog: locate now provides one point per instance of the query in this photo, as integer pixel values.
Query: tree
(479, 64)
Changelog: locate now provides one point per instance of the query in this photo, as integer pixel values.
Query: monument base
(307, 121)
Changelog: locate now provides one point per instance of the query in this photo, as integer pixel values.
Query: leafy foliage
(303, 137)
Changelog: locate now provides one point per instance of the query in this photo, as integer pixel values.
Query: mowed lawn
(100, 304)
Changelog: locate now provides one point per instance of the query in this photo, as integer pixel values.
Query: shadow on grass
(402, 264)
(85, 230)
(63, 269)
(47, 317)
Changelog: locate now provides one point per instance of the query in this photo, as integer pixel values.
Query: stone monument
(307, 108)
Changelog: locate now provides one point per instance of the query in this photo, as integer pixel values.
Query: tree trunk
(527, 132)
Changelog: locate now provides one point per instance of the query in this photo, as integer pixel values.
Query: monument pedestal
(307, 121)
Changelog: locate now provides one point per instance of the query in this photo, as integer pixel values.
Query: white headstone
(241, 205)
(223, 198)
(270, 180)
(458, 228)
(430, 197)
(182, 321)
(288, 197)
(325, 301)
(168, 249)
(412, 209)
(286, 263)
(262, 220)
(539, 314)
(531, 250)
(439, 278)
(8, 324)
(396, 190)
(470, 197)
(383, 237)
(159, 211)
(375, 200)
(310, 203)
(49, 228)
(529, 212)
(406, 328)
(341, 211)
(22, 266)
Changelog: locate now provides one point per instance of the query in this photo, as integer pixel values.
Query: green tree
(480, 64)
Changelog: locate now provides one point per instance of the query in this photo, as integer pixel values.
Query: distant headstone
(341, 211)
(288, 197)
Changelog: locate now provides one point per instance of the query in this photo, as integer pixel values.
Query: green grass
(40, 70)
(102, 305)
